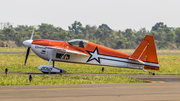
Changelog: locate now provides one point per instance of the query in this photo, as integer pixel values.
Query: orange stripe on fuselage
(105, 51)
(42, 42)
(45, 42)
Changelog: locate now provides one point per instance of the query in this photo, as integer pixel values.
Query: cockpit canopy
(78, 42)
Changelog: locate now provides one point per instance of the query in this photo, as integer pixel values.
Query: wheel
(45, 72)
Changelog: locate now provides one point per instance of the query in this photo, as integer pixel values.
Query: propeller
(28, 44)
(32, 35)
(27, 54)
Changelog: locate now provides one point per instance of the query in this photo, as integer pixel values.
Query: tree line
(165, 37)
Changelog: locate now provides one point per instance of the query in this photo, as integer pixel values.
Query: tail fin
(146, 52)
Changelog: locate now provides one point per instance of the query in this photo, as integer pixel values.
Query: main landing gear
(47, 69)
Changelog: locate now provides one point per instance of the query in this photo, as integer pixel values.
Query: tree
(177, 31)
(76, 27)
(157, 25)
(104, 26)
(45, 26)
(171, 37)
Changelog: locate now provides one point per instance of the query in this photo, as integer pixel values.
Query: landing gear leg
(48, 65)
(53, 63)
(148, 71)
(49, 61)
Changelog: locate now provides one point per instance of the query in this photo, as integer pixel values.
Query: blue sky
(117, 14)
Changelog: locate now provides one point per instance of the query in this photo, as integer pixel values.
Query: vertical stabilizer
(146, 52)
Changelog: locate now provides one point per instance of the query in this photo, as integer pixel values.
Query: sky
(117, 14)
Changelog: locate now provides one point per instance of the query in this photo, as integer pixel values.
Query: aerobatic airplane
(83, 51)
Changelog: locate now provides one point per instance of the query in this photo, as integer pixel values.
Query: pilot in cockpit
(81, 44)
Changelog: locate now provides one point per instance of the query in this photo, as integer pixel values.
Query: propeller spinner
(28, 44)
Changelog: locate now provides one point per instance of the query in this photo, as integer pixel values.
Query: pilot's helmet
(81, 42)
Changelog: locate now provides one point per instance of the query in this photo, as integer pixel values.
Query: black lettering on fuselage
(39, 47)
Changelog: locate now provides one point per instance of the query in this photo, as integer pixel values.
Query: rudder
(146, 52)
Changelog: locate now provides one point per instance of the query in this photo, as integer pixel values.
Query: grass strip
(12, 80)
(17, 49)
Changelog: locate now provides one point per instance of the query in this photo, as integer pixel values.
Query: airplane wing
(57, 49)
(75, 52)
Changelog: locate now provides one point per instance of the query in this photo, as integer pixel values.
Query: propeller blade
(27, 54)
(32, 35)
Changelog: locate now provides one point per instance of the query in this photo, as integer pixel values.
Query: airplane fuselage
(92, 54)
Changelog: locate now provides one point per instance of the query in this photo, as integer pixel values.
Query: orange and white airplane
(82, 51)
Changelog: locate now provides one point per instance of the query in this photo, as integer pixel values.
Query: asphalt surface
(157, 88)
(93, 92)
(13, 52)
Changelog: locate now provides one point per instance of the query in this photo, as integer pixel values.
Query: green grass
(12, 80)
(169, 64)
(8, 49)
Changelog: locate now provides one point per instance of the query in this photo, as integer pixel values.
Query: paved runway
(93, 92)
(13, 52)
(162, 87)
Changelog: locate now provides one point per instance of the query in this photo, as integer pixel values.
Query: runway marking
(89, 88)
(149, 81)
